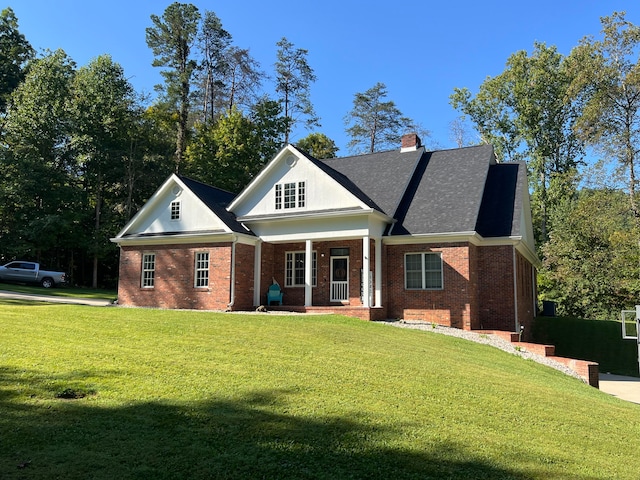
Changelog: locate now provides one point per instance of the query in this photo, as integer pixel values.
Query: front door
(339, 279)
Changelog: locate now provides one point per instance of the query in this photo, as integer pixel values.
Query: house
(439, 236)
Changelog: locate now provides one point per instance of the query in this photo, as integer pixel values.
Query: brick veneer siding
(525, 275)
(174, 277)
(273, 267)
(450, 306)
(495, 288)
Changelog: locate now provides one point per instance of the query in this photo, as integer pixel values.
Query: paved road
(54, 299)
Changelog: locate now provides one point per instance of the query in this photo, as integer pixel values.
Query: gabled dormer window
(175, 210)
(290, 195)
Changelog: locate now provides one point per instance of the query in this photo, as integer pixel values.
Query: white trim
(308, 273)
(186, 238)
(196, 269)
(366, 269)
(143, 270)
(424, 271)
(257, 272)
(378, 274)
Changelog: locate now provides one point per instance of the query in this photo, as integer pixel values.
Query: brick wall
(525, 294)
(495, 282)
(273, 266)
(450, 306)
(174, 277)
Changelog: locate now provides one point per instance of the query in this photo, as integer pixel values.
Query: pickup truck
(30, 272)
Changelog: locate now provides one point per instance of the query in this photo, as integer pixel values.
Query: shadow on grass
(251, 437)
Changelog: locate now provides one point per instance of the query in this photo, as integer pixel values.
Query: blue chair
(274, 294)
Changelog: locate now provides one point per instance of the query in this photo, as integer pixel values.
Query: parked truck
(30, 272)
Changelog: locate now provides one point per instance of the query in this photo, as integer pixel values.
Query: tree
(293, 79)
(528, 112)
(591, 263)
(374, 124)
(103, 109)
(15, 51)
(40, 197)
(214, 42)
(318, 145)
(608, 80)
(171, 39)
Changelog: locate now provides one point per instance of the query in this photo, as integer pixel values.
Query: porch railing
(339, 291)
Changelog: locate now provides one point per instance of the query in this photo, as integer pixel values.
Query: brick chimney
(410, 142)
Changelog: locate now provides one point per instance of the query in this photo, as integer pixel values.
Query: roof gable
(201, 210)
(446, 193)
(323, 189)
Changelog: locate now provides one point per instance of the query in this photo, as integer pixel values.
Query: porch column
(308, 274)
(366, 265)
(378, 281)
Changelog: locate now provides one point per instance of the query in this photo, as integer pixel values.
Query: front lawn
(64, 291)
(103, 393)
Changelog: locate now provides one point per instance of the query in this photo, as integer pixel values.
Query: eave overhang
(182, 238)
(471, 237)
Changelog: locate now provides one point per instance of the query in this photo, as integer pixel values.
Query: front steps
(584, 368)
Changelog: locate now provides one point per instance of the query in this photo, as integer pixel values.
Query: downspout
(515, 288)
(232, 292)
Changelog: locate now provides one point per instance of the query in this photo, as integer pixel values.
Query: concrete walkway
(625, 388)
(50, 298)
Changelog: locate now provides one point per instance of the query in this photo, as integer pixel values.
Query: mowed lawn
(104, 393)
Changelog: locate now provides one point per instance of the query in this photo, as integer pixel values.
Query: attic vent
(291, 160)
(410, 142)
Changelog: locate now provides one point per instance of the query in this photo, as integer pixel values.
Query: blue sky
(420, 49)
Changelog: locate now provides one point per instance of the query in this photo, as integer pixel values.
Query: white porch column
(378, 281)
(257, 273)
(308, 274)
(366, 266)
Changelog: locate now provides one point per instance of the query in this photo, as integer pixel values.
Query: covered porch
(323, 275)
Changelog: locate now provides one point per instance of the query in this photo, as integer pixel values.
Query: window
(290, 195)
(423, 271)
(202, 269)
(294, 269)
(148, 270)
(175, 210)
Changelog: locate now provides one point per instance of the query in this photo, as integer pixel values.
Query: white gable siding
(194, 215)
(321, 191)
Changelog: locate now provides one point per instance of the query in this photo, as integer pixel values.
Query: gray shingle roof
(383, 176)
(448, 195)
(217, 201)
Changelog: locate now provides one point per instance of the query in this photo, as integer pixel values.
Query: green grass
(597, 340)
(175, 394)
(63, 291)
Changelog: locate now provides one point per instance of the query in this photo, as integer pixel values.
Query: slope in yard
(166, 394)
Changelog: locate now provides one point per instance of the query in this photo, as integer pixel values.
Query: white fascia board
(471, 237)
(304, 216)
(450, 237)
(182, 239)
(149, 203)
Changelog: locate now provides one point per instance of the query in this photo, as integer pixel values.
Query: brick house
(440, 236)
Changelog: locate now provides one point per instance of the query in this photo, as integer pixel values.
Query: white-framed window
(423, 271)
(148, 270)
(202, 270)
(290, 195)
(294, 269)
(175, 210)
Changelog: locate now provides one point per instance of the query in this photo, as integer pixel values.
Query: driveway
(625, 388)
(53, 299)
